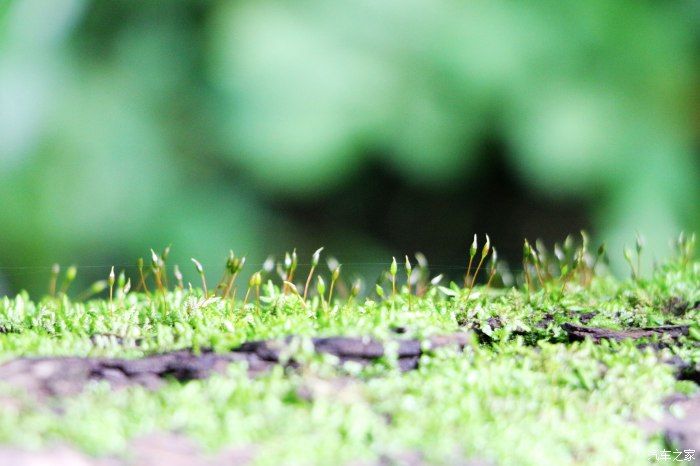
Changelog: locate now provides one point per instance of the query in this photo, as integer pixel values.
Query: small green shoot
(200, 272)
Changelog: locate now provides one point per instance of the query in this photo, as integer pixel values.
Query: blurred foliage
(129, 124)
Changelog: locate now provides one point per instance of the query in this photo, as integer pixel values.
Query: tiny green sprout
(639, 245)
(526, 264)
(565, 270)
(409, 269)
(335, 275)
(96, 288)
(269, 264)
(380, 291)
(332, 263)
(533, 255)
(541, 249)
(55, 271)
(315, 258)
(157, 267)
(142, 277)
(127, 287)
(493, 263)
(200, 271)
(230, 262)
(234, 265)
(484, 252)
(290, 265)
(68, 278)
(163, 271)
(559, 254)
(251, 283)
(254, 281)
(293, 287)
(393, 270)
(155, 260)
(627, 252)
(568, 245)
(356, 288)
(472, 254)
(320, 286)
(178, 277)
(295, 291)
(686, 247)
(197, 265)
(486, 248)
(601, 250)
(536, 263)
(680, 242)
(423, 274)
(166, 253)
(295, 260)
(258, 283)
(599, 256)
(110, 281)
(585, 240)
(321, 290)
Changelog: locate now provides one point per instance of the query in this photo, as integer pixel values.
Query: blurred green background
(371, 127)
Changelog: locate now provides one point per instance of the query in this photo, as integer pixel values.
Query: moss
(521, 394)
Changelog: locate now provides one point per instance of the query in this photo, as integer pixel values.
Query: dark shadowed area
(375, 129)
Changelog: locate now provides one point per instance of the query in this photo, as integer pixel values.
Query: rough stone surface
(580, 332)
(65, 376)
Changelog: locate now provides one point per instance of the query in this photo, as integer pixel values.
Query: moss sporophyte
(560, 362)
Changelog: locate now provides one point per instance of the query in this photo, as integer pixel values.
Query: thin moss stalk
(200, 271)
(178, 277)
(472, 254)
(68, 279)
(110, 281)
(53, 281)
(334, 279)
(393, 270)
(314, 263)
(493, 267)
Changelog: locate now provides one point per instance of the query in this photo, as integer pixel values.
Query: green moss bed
(531, 380)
